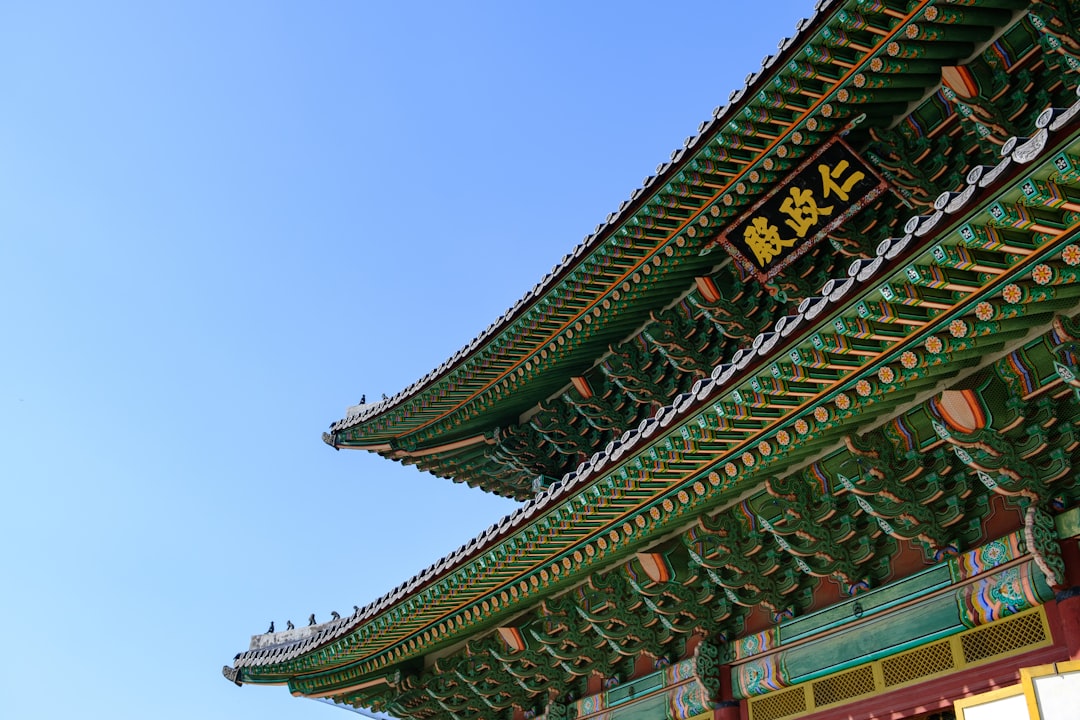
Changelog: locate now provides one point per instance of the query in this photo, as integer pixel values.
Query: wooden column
(728, 708)
(1068, 600)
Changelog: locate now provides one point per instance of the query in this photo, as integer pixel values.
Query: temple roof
(568, 368)
(647, 253)
(986, 214)
(839, 383)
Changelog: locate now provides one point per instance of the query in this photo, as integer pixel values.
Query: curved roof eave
(603, 235)
(768, 345)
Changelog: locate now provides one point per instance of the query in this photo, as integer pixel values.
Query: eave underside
(856, 59)
(671, 345)
(992, 326)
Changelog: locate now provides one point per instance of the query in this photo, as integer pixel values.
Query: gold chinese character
(830, 176)
(804, 211)
(764, 240)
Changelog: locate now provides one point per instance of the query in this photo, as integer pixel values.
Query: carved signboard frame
(823, 192)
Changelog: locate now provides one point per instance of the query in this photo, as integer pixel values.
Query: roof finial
(271, 628)
(311, 619)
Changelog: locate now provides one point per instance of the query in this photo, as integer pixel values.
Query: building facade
(793, 431)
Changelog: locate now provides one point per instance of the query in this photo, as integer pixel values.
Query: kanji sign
(829, 187)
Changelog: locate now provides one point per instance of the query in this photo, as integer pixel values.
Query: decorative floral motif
(1000, 595)
(591, 704)
(864, 388)
(984, 311)
(731, 470)
(686, 700)
(750, 645)
(989, 556)
(764, 448)
(886, 374)
(802, 427)
(748, 459)
(821, 413)
(667, 505)
(1012, 293)
(679, 671)
(958, 328)
(909, 359)
(842, 401)
(783, 437)
(934, 345)
(1071, 255)
(1042, 274)
(683, 496)
(758, 677)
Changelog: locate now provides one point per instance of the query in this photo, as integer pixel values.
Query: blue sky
(220, 224)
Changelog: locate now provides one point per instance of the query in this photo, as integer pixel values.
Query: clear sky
(220, 224)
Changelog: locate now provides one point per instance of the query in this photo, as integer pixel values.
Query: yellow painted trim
(959, 664)
(961, 705)
(1027, 682)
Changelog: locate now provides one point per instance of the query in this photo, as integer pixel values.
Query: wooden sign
(825, 190)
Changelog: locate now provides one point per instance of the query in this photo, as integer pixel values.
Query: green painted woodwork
(927, 435)
(811, 471)
(677, 347)
(709, 660)
(655, 707)
(625, 692)
(869, 603)
(672, 693)
(694, 199)
(903, 629)
(1068, 523)
(1009, 591)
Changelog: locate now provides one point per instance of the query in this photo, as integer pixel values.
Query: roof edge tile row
(1018, 151)
(601, 233)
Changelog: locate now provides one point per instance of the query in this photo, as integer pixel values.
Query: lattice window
(928, 660)
(943, 656)
(778, 705)
(1002, 637)
(844, 686)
